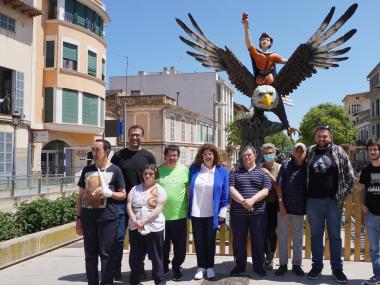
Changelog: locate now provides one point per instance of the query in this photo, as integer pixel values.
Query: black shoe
(177, 274)
(314, 273)
(143, 275)
(281, 270)
(298, 270)
(260, 271)
(117, 276)
(268, 265)
(339, 276)
(236, 271)
(166, 270)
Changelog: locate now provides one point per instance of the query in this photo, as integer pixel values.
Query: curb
(19, 249)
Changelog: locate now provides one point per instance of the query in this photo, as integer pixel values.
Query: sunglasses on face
(324, 127)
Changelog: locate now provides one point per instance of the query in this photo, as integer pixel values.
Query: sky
(146, 32)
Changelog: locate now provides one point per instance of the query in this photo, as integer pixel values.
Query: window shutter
(69, 106)
(96, 24)
(48, 106)
(90, 109)
(80, 14)
(69, 8)
(70, 51)
(49, 60)
(89, 19)
(101, 27)
(18, 93)
(91, 69)
(102, 112)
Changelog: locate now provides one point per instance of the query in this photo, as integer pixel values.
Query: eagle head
(265, 97)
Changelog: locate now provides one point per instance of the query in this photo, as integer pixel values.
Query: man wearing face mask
(271, 168)
(330, 180)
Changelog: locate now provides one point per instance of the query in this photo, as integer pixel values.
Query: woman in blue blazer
(208, 201)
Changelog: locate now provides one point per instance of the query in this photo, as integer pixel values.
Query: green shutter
(89, 19)
(19, 94)
(91, 69)
(96, 24)
(101, 27)
(49, 57)
(90, 110)
(69, 106)
(48, 105)
(103, 69)
(102, 112)
(70, 51)
(80, 14)
(69, 7)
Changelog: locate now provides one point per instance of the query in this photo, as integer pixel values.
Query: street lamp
(16, 119)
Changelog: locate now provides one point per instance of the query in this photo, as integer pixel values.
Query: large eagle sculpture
(315, 53)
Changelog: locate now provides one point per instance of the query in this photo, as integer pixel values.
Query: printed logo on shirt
(322, 164)
(374, 188)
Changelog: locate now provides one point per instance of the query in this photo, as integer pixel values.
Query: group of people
(155, 203)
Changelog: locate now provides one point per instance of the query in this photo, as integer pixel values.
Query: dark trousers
(99, 240)
(175, 232)
(119, 247)
(204, 238)
(256, 224)
(140, 244)
(271, 234)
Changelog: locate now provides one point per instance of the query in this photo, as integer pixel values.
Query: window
(6, 152)
(69, 11)
(52, 10)
(103, 69)
(377, 107)
(192, 131)
(89, 19)
(355, 108)
(49, 53)
(80, 14)
(70, 56)
(19, 98)
(172, 120)
(102, 112)
(90, 110)
(374, 81)
(373, 130)
(7, 23)
(48, 105)
(69, 106)
(373, 109)
(183, 155)
(183, 130)
(200, 132)
(91, 67)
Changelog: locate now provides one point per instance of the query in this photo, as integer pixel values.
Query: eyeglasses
(324, 127)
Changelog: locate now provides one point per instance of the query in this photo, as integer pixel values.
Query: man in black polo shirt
(249, 186)
(291, 193)
(131, 161)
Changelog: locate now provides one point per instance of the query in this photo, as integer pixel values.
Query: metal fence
(25, 186)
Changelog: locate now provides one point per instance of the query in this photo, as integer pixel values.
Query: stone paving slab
(66, 266)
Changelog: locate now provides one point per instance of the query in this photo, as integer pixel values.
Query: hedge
(38, 215)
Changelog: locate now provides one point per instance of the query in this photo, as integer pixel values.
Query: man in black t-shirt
(330, 179)
(370, 201)
(100, 186)
(131, 161)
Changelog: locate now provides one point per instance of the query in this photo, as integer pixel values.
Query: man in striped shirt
(249, 186)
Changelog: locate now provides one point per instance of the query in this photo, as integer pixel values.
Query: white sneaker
(199, 274)
(210, 273)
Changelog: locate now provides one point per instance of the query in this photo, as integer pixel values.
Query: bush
(37, 215)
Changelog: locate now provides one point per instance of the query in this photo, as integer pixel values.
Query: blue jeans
(372, 223)
(319, 212)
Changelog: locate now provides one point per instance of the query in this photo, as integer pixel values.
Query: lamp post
(16, 119)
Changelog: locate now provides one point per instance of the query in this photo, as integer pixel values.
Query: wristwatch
(280, 200)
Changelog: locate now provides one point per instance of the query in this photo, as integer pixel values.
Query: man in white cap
(291, 193)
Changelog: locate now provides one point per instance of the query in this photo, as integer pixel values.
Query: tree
(280, 140)
(328, 114)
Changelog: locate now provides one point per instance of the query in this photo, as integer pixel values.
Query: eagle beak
(266, 100)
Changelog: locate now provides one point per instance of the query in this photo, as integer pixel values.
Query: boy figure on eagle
(263, 62)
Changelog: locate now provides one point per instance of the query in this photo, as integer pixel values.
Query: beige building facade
(374, 96)
(70, 85)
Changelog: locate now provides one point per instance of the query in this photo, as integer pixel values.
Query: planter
(18, 249)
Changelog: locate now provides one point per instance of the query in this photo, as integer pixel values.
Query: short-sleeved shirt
(144, 202)
(249, 183)
(370, 177)
(132, 165)
(96, 206)
(174, 180)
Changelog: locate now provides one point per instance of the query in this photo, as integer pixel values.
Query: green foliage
(37, 215)
(232, 132)
(280, 140)
(332, 115)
